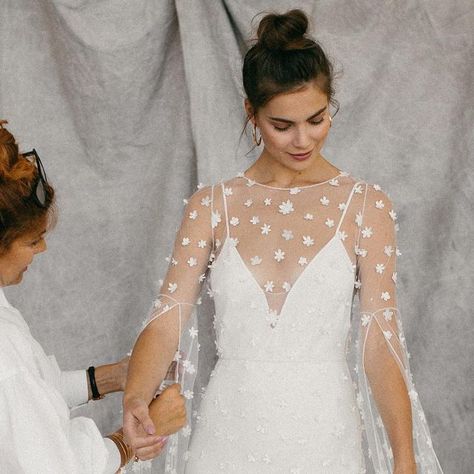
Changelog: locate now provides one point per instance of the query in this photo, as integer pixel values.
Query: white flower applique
(279, 255)
(388, 250)
(366, 319)
(172, 287)
(255, 260)
(215, 219)
(393, 215)
(308, 217)
(341, 206)
(206, 201)
(255, 220)
(234, 241)
(266, 229)
(188, 394)
(193, 332)
(324, 201)
(308, 241)
(193, 215)
(385, 296)
(269, 285)
(358, 219)
(302, 261)
(379, 204)
(342, 235)
(248, 203)
(228, 191)
(380, 268)
(334, 182)
(235, 221)
(186, 241)
(295, 190)
(367, 232)
(377, 187)
(192, 261)
(202, 244)
(394, 277)
(329, 222)
(286, 207)
(286, 286)
(267, 201)
(287, 234)
(387, 314)
(358, 189)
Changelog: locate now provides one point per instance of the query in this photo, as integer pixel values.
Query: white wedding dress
(289, 393)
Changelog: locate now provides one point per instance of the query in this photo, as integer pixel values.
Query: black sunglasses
(38, 192)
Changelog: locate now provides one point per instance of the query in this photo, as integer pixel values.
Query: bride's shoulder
(362, 186)
(206, 194)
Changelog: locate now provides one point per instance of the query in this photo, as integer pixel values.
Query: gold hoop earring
(330, 121)
(254, 136)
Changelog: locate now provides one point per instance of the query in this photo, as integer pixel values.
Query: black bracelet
(95, 392)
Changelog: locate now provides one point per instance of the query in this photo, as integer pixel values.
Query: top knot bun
(284, 32)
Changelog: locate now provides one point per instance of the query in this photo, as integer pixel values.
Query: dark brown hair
(19, 213)
(284, 58)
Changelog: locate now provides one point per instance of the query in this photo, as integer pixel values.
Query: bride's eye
(281, 129)
(316, 122)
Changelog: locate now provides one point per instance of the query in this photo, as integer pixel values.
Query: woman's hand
(144, 427)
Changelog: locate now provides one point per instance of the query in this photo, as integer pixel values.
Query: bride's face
(294, 126)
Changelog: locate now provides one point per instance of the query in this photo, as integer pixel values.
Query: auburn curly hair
(19, 212)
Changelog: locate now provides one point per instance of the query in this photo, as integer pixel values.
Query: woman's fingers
(151, 452)
(138, 427)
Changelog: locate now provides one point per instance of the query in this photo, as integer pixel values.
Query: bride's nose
(301, 138)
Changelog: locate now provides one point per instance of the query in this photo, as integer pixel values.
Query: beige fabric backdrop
(130, 104)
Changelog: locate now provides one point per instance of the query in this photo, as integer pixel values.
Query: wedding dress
(290, 391)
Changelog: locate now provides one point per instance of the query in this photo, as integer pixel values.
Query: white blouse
(37, 434)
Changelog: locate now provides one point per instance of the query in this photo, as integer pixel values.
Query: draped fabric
(131, 104)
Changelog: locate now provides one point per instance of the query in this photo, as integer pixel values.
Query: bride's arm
(383, 357)
(158, 342)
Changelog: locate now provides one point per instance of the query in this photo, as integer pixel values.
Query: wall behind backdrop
(131, 104)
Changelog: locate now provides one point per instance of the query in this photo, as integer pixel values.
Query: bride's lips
(301, 156)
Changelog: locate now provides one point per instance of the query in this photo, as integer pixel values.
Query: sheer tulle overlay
(301, 374)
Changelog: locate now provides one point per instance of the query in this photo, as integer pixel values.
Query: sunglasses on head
(38, 192)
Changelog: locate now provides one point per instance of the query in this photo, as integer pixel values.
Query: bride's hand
(165, 416)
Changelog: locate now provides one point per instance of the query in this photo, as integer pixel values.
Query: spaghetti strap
(346, 206)
(225, 210)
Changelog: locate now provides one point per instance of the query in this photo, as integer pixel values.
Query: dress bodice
(314, 319)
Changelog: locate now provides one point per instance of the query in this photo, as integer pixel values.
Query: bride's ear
(249, 110)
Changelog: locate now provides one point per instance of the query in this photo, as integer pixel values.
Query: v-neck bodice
(318, 303)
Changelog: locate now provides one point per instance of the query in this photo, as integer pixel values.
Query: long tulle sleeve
(386, 393)
(174, 310)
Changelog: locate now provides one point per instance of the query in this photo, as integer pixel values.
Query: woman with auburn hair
(37, 434)
(285, 246)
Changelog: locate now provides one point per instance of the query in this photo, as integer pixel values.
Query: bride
(285, 247)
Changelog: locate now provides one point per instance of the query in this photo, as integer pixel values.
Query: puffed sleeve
(384, 379)
(38, 436)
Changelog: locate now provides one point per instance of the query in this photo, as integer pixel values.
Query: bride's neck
(266, 170)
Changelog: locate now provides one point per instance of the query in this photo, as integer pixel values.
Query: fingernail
(150, 430)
